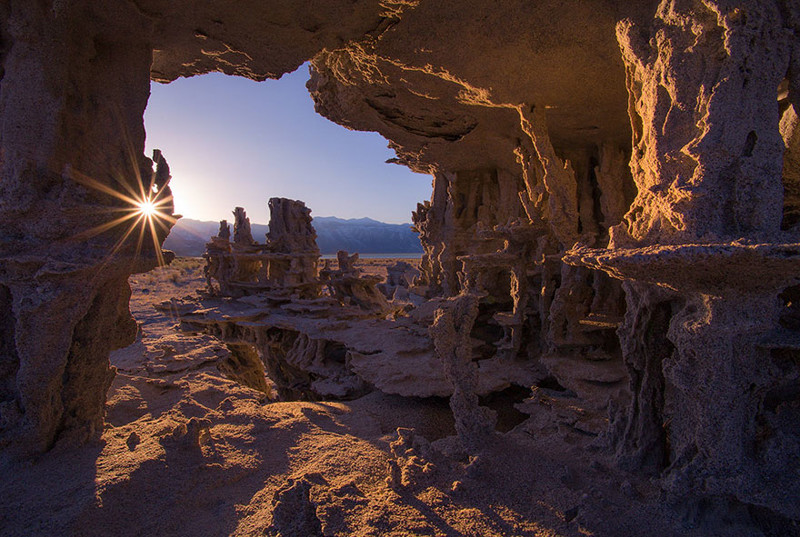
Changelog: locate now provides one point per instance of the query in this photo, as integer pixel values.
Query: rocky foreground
(187, 451)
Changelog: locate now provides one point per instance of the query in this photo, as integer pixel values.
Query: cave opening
(233, 142)
(464, 95)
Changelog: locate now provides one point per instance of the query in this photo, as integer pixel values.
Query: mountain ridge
(364, 235)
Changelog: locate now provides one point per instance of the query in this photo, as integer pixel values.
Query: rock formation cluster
(286, 264)
(614, 218)
(330, 333)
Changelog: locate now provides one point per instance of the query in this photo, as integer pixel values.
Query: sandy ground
(188, 452)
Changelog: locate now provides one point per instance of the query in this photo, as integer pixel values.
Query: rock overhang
(446, 90)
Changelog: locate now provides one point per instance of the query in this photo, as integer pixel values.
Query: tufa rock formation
(615, 188)
(451, 329)
(287, 264)
(399, 278)
(703, 250)
(348, 286)
(344, 342)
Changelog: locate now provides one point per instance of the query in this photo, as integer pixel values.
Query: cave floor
(186, 451)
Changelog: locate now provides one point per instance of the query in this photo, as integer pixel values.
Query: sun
(148, 211)
(147, 208)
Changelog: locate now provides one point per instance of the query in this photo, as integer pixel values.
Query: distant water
(416, 255)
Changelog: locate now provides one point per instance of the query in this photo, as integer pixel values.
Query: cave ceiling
(446, 90)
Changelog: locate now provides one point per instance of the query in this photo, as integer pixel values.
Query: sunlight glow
(147, 208)
(233, 142)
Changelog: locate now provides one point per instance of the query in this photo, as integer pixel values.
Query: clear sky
(233, 142)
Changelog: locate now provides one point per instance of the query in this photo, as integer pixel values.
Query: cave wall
(75, 83)
(74, 87)
(704, 244)
(658, 137)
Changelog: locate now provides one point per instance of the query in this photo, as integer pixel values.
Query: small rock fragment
(293, 512)
(133, 440)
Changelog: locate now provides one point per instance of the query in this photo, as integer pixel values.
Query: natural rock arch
(522, 112)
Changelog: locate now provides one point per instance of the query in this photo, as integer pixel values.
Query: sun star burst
(147, 211)
(147, 208)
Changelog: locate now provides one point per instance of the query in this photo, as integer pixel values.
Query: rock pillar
(75, 83)
(702, 244)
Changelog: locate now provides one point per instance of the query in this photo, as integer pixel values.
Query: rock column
(703, 248)
(75, 83)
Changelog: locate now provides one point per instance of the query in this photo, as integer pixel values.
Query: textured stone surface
(451, 328)
(74, 88)
(399, 277)
(287, 264)
(702, 242)
(526, 114)
(349, 287)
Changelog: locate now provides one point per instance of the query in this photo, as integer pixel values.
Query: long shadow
(41, 497)
(500, 526)
(188, 492)
(431, 516)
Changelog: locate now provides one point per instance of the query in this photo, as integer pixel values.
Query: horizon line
(186, 217)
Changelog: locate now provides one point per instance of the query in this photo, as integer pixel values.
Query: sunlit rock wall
(709, 344)
(527, 137)
(660, 138)
(75, 83)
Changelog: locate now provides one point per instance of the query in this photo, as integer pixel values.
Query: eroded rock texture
(708, 161)
(348, 286)
(342, 341)
(285, 266)
(399, 278)
(451, 329)
(75, 82)
(661, 138)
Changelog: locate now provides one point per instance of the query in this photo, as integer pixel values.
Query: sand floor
(188, 452)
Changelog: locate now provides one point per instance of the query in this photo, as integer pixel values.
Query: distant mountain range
(362, 235)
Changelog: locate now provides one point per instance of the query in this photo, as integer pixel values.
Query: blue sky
(234, 142)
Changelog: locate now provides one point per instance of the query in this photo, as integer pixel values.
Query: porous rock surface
(331, 334)
(660, 137)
